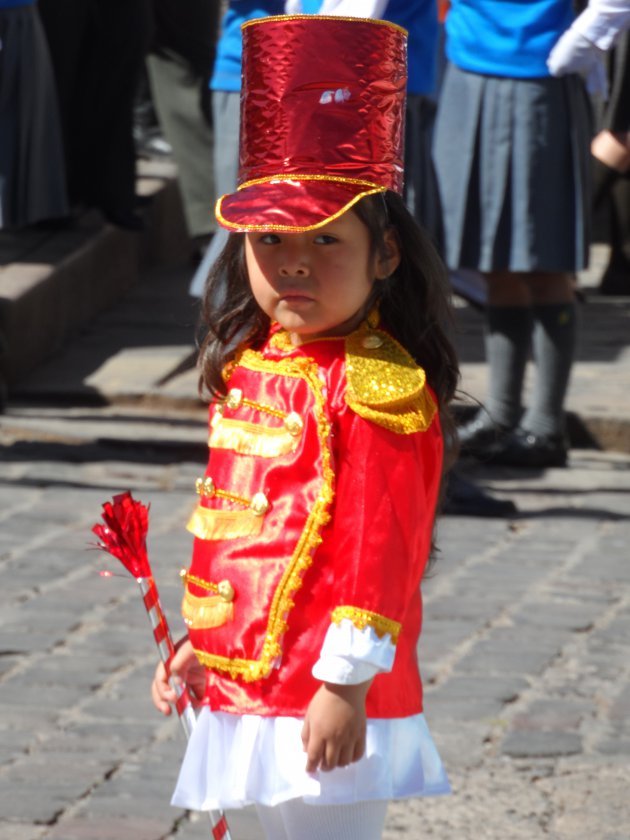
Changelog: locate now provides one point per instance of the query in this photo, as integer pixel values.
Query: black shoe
(477, 437)
(463, 498)
(523, 449)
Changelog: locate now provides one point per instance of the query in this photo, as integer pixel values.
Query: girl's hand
(334, 726)
(185, 668)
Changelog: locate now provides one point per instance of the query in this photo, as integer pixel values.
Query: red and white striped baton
(123, 535)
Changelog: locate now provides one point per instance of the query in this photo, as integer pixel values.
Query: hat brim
(290, 205)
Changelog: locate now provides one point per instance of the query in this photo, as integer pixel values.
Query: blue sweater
(417, 16)
(227, 65)
(505, 37)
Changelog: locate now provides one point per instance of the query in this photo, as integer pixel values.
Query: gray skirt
(513, 159)
(32, 169)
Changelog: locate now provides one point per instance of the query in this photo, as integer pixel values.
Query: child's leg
(507, 342)
(294, 820)
(554, 346)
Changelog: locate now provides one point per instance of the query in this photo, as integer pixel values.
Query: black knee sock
(507, 340)
(554, 346)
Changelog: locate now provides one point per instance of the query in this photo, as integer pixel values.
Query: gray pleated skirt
(32, 169)
(513, 159)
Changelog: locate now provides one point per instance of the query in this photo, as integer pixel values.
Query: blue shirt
(227, 65)
(419, 18)
(10, 4)
(505, 37)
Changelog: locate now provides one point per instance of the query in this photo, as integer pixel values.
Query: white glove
(574, 53)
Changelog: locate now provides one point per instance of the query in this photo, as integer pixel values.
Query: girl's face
(317, 284)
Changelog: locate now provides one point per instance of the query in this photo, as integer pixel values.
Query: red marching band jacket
(317, 505)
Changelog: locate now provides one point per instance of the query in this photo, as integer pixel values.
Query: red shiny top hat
(322, 120)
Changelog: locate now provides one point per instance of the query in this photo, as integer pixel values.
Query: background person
(98, 49)
(512, 157)
(32, 173)
(600, 29)
(179, 66)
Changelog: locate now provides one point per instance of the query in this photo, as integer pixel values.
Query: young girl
(329, 367)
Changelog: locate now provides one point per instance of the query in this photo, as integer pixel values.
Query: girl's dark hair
(413, 302)
(229, 315)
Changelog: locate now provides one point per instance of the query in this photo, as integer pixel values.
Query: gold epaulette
(385, 385)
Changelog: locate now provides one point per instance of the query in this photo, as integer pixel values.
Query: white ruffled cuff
(350, 656)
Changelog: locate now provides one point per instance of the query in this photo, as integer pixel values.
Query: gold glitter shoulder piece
(385, 385)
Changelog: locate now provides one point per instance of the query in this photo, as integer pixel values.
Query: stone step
(53, 282)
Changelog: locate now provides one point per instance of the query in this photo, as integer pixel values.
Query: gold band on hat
(370, 189)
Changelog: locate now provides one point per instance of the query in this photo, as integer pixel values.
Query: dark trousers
(98, 49)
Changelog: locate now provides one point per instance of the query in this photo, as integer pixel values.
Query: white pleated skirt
(236, 760)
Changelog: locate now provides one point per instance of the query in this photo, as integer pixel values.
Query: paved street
(525, 654)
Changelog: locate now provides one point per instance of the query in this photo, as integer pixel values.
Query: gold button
(293, 424)
(259, 504)
(225, 590)
(372, 341)
(205, 487)
(234, 398)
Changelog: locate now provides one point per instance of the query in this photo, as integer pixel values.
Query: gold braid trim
(250, 438)
(197, 581)
(310, 538)
(311, 176)
(323, 17)
(281, 340)
(265, 409)
(235, 399)
(364, 618)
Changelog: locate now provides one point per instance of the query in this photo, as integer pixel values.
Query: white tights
(294, 820)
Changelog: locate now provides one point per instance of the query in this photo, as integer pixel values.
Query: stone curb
(52, 283)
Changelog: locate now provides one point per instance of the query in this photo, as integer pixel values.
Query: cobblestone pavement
(525, 653)
(526, 656)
